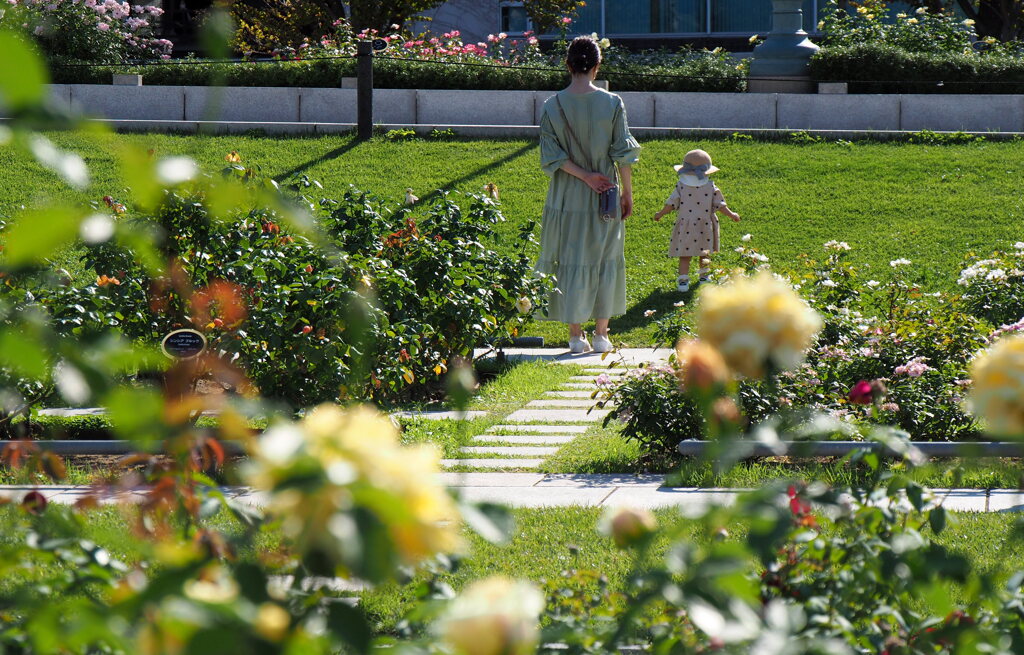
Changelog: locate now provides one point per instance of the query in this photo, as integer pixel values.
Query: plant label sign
(379, 44)
(183, 344)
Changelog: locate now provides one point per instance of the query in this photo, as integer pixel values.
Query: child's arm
(719, 204)
(728, 212)
(664, 210)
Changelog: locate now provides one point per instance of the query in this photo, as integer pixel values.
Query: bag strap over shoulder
(572, 135)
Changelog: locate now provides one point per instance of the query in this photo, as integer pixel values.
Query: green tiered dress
(583, 252)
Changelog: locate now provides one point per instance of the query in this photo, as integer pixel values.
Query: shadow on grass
(497, 163)
(324, 158)
(659, 301)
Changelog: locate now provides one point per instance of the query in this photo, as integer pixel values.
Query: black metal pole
(364, 94)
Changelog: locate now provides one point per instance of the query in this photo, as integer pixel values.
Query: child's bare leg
(684, 265)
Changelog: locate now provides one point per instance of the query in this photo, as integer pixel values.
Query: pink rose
(103, 27)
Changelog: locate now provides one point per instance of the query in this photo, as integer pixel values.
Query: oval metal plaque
(183, 344)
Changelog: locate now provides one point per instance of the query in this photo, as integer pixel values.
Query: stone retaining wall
(739, 111)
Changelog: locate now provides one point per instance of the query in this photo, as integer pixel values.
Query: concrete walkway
(536, 431)
(567, 490)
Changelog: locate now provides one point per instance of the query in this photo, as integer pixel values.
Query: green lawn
(931, 204)
(550, 545)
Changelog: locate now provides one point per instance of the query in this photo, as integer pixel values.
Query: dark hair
(583, 54)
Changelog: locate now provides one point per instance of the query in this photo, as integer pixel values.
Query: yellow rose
(862, 10)
(913, 21)
(362, 464)
(996, 395)
(272, 622)
(628, 526)
(699, 365)
(757, 323)
(494, 616)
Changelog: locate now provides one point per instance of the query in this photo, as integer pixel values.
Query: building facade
(640, 22)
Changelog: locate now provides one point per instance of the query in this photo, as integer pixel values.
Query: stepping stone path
(535, 432)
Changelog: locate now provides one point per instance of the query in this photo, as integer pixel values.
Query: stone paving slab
(556, 415)
(580, 385)
(493, 463)
(602, 479)
(559, 403)
(547, 429)
(510, 451)
(592, 379)
(625, 356)
(962, 500)
(545, 490)
(538, 439)
(439, 414)
(491, 479)
(611, 372)
(691, 502)
(536, 496)
(568, 394)
(1005, 500)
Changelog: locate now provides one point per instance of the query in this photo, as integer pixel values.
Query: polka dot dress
(696, 229)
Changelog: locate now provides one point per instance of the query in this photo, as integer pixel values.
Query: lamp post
(781, 63)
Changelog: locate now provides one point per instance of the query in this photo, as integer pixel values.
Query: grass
(517, 383)
(551, 544)
(931, 204)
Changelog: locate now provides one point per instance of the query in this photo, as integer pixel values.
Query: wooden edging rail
(695, 447)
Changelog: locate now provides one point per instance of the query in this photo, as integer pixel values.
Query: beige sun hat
(696, 163)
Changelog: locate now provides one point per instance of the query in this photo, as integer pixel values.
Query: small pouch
(608, 202)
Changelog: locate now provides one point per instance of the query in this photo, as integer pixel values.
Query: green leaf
(39, 234)
(937, 519)
(23, 75)
(492, 522)
(24, 354)
(349, 624)
(136, 414)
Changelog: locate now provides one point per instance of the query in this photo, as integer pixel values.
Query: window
(513, 18)
(655, 16)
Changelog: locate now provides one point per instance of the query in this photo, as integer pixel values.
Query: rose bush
(90, 30)
(274, 302)
(919, 345)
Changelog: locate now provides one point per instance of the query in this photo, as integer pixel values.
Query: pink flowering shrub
(90, 30)
(497, 49)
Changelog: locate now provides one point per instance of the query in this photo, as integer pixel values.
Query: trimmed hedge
(690, 74)
(880, 68)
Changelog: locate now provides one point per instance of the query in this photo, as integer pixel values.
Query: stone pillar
(780, 64)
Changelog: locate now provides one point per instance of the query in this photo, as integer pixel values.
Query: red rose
(861, 393)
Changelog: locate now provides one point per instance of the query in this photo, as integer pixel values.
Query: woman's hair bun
(583, 54)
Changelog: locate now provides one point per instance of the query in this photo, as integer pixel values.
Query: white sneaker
(602, 344)
(705, 274)
(578, 345)
(683, 283)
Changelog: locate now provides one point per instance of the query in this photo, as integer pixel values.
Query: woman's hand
(626, 201)
(598, 182)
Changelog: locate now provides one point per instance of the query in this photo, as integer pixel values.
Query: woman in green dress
(583, 135)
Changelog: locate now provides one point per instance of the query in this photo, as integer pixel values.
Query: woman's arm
(594, 180)
(626, 197)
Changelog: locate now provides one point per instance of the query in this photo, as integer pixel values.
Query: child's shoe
(683, 283)
(602, 344)
(705, 274)
(578, 344)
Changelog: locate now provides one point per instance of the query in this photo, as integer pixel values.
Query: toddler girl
(695, 201)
